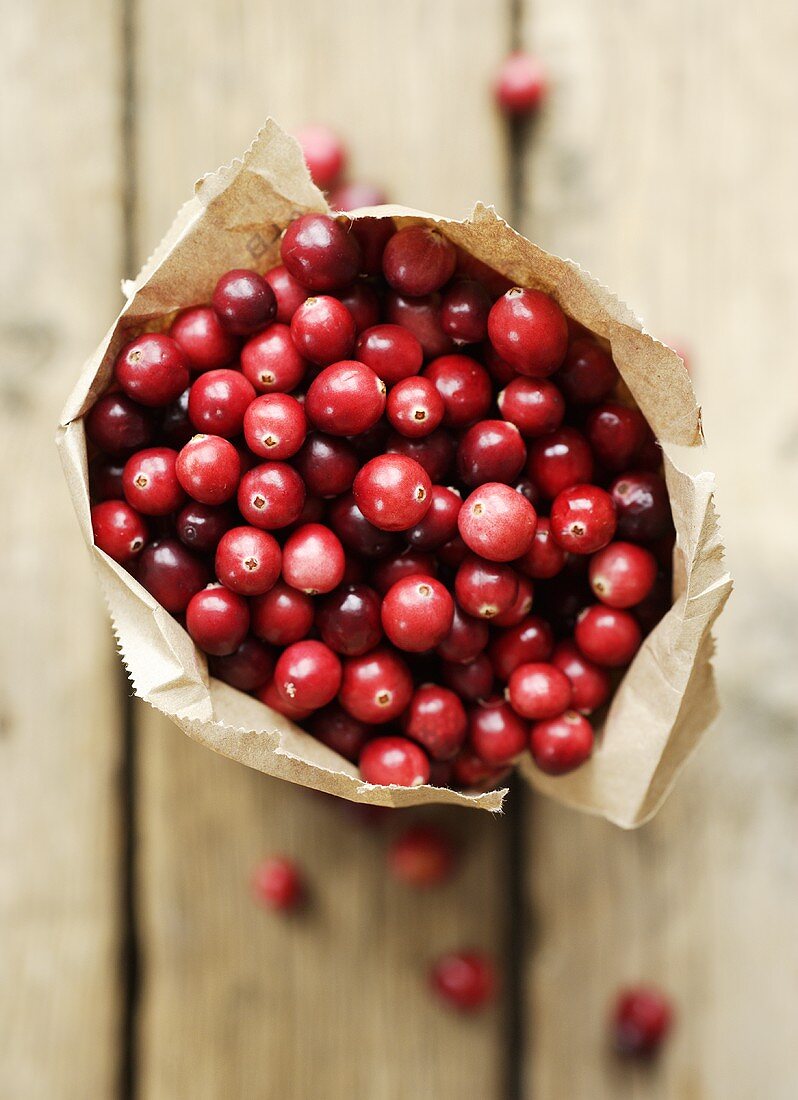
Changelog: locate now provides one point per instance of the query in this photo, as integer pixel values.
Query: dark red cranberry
(418, 260)
(560, 460)
(355, 531)
(466, 639)
(371, 442)
(323, 330)
(464, 311)
(521, 84)
(171, 574)
(308, 674)
(205, 342)
(270, 697)
(435, 452)
(394, 761)
(497, 523)
(200, 526)
(152, 369)
(392, 352)
(472, 681)
(527, 488)
(105, 478)
(271, 362)
(465, 387)
(590, 685)
(561, 744)
(244, 302)
(417, 613)
(421, 856)
(469, 772)
(528, 330)
(376, 687)
(118, 425)
(588, 374)
(355, 196)
(421, 316)
(499, 369)
(641, 1020)
(324, 154)
(437, 720)
(363, 303)
(465, 980)
(388, 571)
(313, 559)
(622, 574)
(349, 620)
(339, 731)
(641, 500)
(288, 293)
(282, 616)
(534, 405)
(275, 426)
(491, 450)
(271, 495)
(372, 235)
(607, 636)
(616, 434)
(209, 469)
(119, 531)
(327, 464)
(539, 690)
(175, 428)
(345, 399)
(248, 561)
(651, 610)
(545, 558)
(218, 401)
(150, 482)
(484, 588)
(393, 492)
(520, 607)
(248, 669)
(496, 734)
(320, 252)
(217, 620)
(440, 522)
(649, 456)
(277, 884)
(582, 519)
(530, 641)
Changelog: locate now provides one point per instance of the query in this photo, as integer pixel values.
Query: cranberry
(371, 442)
(582, 519)
(417, 613)
(437, 720)
(150, 482)
(392, 352)
(248, 561)
(340, 732)
(465, 980)
(440, 522)
(205, 342)
(345, 399)
(105, 478)
(491, 450)
(171, 574)
(616, 434)
(410, 562)
(248, 669)
(414, 407)
(327, 465)
(271, 495)
(528, 330)
(324, 154)
(393, 761)
(217, 620)
(208, 469)
(323, 330)
(372, 235)
(218, 401)
(176, 428)
(465, 387)
(499, 369)
(560, 460)
(421, 856)
(354, 196)
(275, 426)
(464, 311)
(545, 558)
(641, 499)
(363, 303)
(200, 526)
(497, 523)
(118, 425)
(393, 492)
(466, 639)
(607, 636)
(559, 745)
(472, 681)
(355, 531)
(418, 260)
(119, 531)
(435, 452)
(270, 697)
(588, 374)
(496, 734)
(484, 588)
(521, 84)
(534, 405)
(469, 772)
(277, 884)
(282, 616)
(538, 691)
(288, 292)
(313, 559)
(376, 687)
(152, 369)
(244, 302)
(421, 316)
(349, 620)
(271, 362)
(520, 607)
(308, 674)
(590, 685)
(320, 252)
(529, 642)
(641, 1020)
(622, 574)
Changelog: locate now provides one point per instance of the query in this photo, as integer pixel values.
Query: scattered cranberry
(421, 316)
(217, 620)
(271, 362)
(534, 405)
(152, 369)
(465, 980)
(313, 559)
(200, 526)
(349, 620)
(376, 687)
(327, 465)
(346, 398)
(590, 684)
(559, 745)
(588, 374)
(491, 450)
(308, 674)
(545, 558)
(355, 531)
(118, 425)
(485, 588)
(464, 312)
(421, 856)
(496, 734)
(248, 561)
(324, 154)
(521, 84)
(288, 292)
(218, 401)
(530, 641)
(247, 669)
(435, 452)
(641, 500)
(539, 691)
(464, 385)
(208, 469)
(171, 574)
(641, 1020)
(414, 407)
(393, 492)
(582, 519)
(607, 636)
(119, 530)
(418, 260)
(560, 460)
(497, 523)
(355, 196)
(616, 433)
(282, 616)
(622, 574)
(323, 330)
(394, 761)
(528, 330)
(277, 884)
(150, 482)
(320, 252)
(472, 681)
(417, 613)
(275, 426)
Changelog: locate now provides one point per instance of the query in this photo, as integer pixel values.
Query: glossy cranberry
(607, 636)
(363, 303)
(417, 613)
(520, 607)
(529, 642)
(439, 524)
(271, 495)
(171, 574)
(616, 434)
(583, 519)
(466, 639)
(152, 369)
(497, 523)
(590, 685)
(349, 620)
(324, 154)
(393, 492)
(208, 469)
(270, 361)
(345, 399)
(288, 293)
(464, 311)
(117, 425)
(472, 681)
(465, 387)
(308, 674)
(175, 428)
(200, 526)
(622, 574)
(435, 452)
(270, 697)
(376, 687)
(105, 478)
(484, 588)
(248, 561)
(248, 669)
(323, 330)
(521, 84)
(421, 856)
(539, 690)
(560, 460)
(244, 302)
(282, 616)
(150, 482)
(561, 744)
(372, 235)
(528, 330)
(641, 500)
(277, 884)
(327, 465)
(465, 980)
(394, 761)
(217, 620)
(421, 316)
(469, 772)
(396, 567)
(313, 559)
(534, 405)
(527, 488)
(545, 558)
(275, 426)
(339, 731)
(355, 531)
(204, 340)
(588, 374)
(218, 401)
(320, 252)
(649, 456)
(119, 531)
(392, 352)
(437, 720)
(496, 734)
(641, 1020)
(491, 450)
(418, 260)
(354, 196)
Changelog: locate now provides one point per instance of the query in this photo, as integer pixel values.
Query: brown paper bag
(667, 697)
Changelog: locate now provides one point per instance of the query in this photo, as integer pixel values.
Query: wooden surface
(134, 963)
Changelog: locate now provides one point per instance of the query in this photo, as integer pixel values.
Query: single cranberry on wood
(465, 980)
(277, 884)
(421, 856)
(324, 153)
(641, 1020)
(521, 84)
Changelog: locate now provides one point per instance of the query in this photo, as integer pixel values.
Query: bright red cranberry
(200, 526)
(355, 196)
(520, 607)
(355, 531)
(439, 524)
(271, 495)
(345, 399)
(208, 469)
(539, 691)
(496, 734)
(421, 316)
(376, 687)
(277, 884)
(320, 252)
(119, 530)
(435, 452)
(497, 523)
(417, 613)
(313, 559)
(327, 464)
(218, 401)
(175, 428)
(465, 980)
(363, 303)
(414, 407)
(560, 460)
(152, 369)
(641, 1020)
(582, 519)
(421, 856)
(282, 616)
(205, 342)
(270, 697)
(466, 639)
(323, 330)
(529, 642)
(248, 561)
(528, 330)
(616, 434)
(465, 387)
(396, 567)
(418, 260)
(545, 558)
(324, 154)
(392, 352)
(437, 720)
(308, 674)
(349, 620)
(641, 499)
(244, 302)
(590, 685)
(472, 681)
(117, 425)
(394, 761)
(491, 450)
(372, 235)
(622, 574)
(485, 588)
(248, 669)
(339, 731)
(607, 636)
(521, 84)
(561, 744)
(588, 374)
(470, 772)
(275, 426)
(464, 311)
(270, 361)
(288, 293)
(171, 574)
(150, 482)
(393, 492)
(534, 405)
(217, 620)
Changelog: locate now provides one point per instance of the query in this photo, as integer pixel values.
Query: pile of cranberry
(400, 501)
